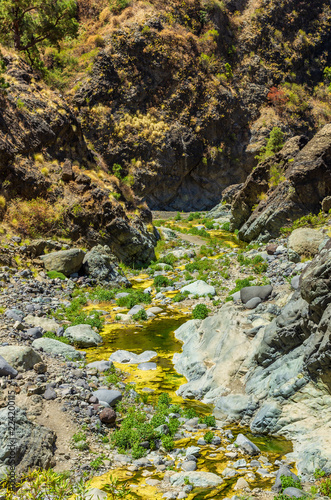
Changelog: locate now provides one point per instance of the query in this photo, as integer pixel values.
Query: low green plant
(289, 482)
(318, 473)
(117, 490)
(97, 463)
(169, 259)
(274, 144)
(55, 274)
(162, 281)
(140, 315)
(178, 217)
(200, 311)
(180, 296)
(52, 335)
(135, 297)
(168, 442)
(225, 226)
(208, 437)
(209, 420)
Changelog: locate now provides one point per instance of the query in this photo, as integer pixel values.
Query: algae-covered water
(158, 335)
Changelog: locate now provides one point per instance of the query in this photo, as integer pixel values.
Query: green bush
(226, 226)
(289, 482)
(199, 232)
(162, 281)
(209, 420)
(208, 437)
(140, 315)
(135, 297)
(274, 144)
(180, 296)
(200, 265)
(178, 217)
(169, 259)
(200, 311)
(116, 6)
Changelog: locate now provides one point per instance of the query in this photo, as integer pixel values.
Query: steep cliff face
(183, 96)
(52, 183)
(272, 375)
(264, 204)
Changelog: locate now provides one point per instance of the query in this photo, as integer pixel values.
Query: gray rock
(239, 464)
(236, 297)
(295, 282)
(100, 263)
(122, 356)
(189, 465)
(64, 261)
(168, 234)
(52, 346)
(135, 309)
(20, 357)
(147, 366)
(245, 444)
(34, 333)
(6, 369)
(50, 394)
(253, 303)
(100, 366)
(83, 335)
(193, 450)
(34, 444)
(249, 292)
(47, 324)
(110, 396)
(200, 288)
(294, 492)
(293, 256)
(95, 494)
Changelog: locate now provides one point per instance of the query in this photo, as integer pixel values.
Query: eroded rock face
(307, 182)
(278, 382)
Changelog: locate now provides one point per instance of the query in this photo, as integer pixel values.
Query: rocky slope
(289, 185)
(183, 97)
(52, 183)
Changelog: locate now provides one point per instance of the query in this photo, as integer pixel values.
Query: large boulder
(34, 444)
(55, 347)
(250, 292)
(305, 241)
(246, 445)
(83, 336)
(6, 369)
(100, 263)
(200, 288)
(20, 357)
(109, 396)
(64, 261)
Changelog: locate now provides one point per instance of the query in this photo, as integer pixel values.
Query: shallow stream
(158, 335)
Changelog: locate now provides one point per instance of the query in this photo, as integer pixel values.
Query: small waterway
(158, 335)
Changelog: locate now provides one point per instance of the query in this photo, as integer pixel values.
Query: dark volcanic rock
(307, 182)
(34, 444)
(100, 263)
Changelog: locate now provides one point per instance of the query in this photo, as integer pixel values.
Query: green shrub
(168, 442)
(135, 297)
(189, 413)
(274, 144)
(140, 315)
(209, 420)
(208, 437)
(55, 274)
(319, 473)
(226, 226)
(169, 259)
(162, 281)
(289, 482)
(209, 225)
(200, 265)
(180, 296)
(199, 232)
(325, 487)
(178, 217)
(200, 311)
(116, 6)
